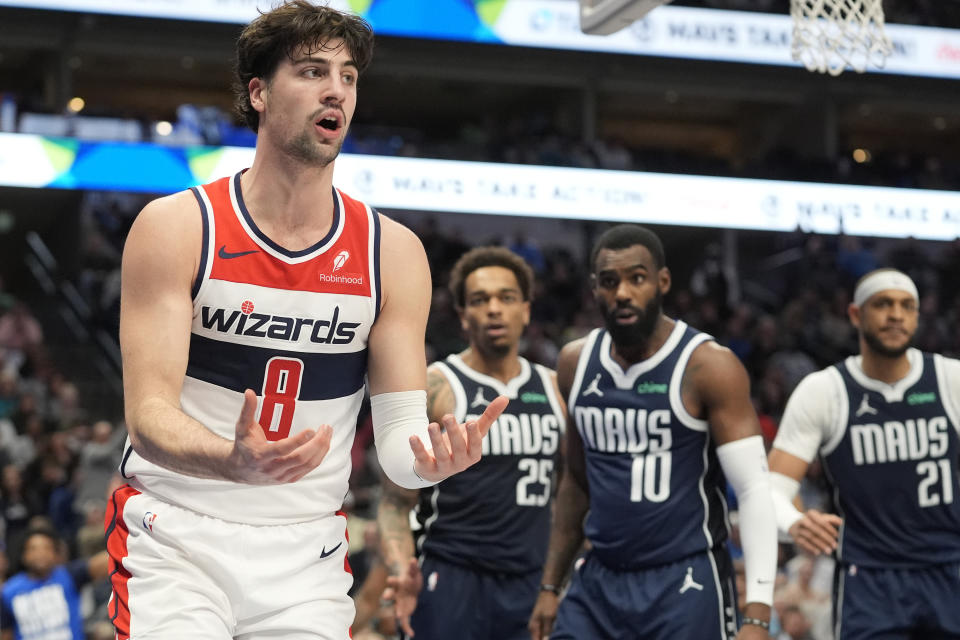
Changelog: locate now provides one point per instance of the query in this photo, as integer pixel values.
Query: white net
(831, 35)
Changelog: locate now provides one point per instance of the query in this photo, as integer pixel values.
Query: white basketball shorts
(179, 574)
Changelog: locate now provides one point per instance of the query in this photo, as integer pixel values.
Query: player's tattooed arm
(440, 400)
(393, 519)
(393, 512)
(396, 543)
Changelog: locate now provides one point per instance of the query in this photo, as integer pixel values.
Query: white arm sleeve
(397, 416)
(744, 464)
(784, 489)
(810, 419)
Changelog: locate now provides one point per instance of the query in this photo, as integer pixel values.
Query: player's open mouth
(625, 317)
(329, 124)
(496, 330)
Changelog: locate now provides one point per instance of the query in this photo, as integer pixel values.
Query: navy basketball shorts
(463, 604)
(870, 603)
(692, 599)
(180, 574)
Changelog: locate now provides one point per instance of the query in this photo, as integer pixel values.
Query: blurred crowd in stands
(58, 457)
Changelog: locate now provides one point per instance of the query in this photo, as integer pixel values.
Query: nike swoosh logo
(226, 255)
(326, 554)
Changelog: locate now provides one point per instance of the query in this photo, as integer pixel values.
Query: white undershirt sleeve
(949, 373)
(810, 419)
(744, 463)
(397, 416)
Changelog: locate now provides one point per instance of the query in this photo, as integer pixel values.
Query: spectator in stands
(9, 393)
(19, 330)
(794, 624)
(15, 506)
(813, 602)
(527, 249)
(65, 407)
(43, 600)
(98, 461)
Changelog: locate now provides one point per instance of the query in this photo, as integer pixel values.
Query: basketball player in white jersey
(252, 310)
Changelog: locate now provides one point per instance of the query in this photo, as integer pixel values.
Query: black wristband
(552, 588)
(758, 622)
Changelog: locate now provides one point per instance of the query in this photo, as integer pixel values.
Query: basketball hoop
(830, 35)
(603, 17)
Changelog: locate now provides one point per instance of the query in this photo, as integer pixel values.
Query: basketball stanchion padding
(832, 35)
(603, 17)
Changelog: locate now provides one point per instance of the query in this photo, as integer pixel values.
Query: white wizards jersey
(292, 326)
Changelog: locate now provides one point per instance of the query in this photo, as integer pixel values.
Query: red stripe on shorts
(346, 534)
(346, 561)
(117, 533)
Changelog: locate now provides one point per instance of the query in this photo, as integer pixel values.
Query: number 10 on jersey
(281, 388)
(650, 477)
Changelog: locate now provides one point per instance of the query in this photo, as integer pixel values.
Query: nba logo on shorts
(148, 519)
(432, 581)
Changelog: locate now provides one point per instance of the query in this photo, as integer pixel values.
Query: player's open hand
(256, 460)
(454, 446)
(402, 590)
(816, 532)
(544, 615)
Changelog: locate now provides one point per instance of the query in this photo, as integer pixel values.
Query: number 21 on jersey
(936, 487)
(281, 388)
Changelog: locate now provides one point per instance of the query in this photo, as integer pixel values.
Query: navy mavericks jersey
(495, 515)
(657, 493)
(893, 470)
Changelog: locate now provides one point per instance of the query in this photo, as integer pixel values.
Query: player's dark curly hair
(489, 257)
(281, 32)
(623, 236)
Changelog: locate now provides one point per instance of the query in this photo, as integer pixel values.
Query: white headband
(881, 281)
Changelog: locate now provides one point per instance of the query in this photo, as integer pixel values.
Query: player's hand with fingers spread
(817, 532)
(256, 460)
(454, 447)
(544, 615)
(403, 590)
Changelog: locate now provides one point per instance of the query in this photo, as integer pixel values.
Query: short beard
(493, 349)
(638, 333)
(306, 150)
(881, 349)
